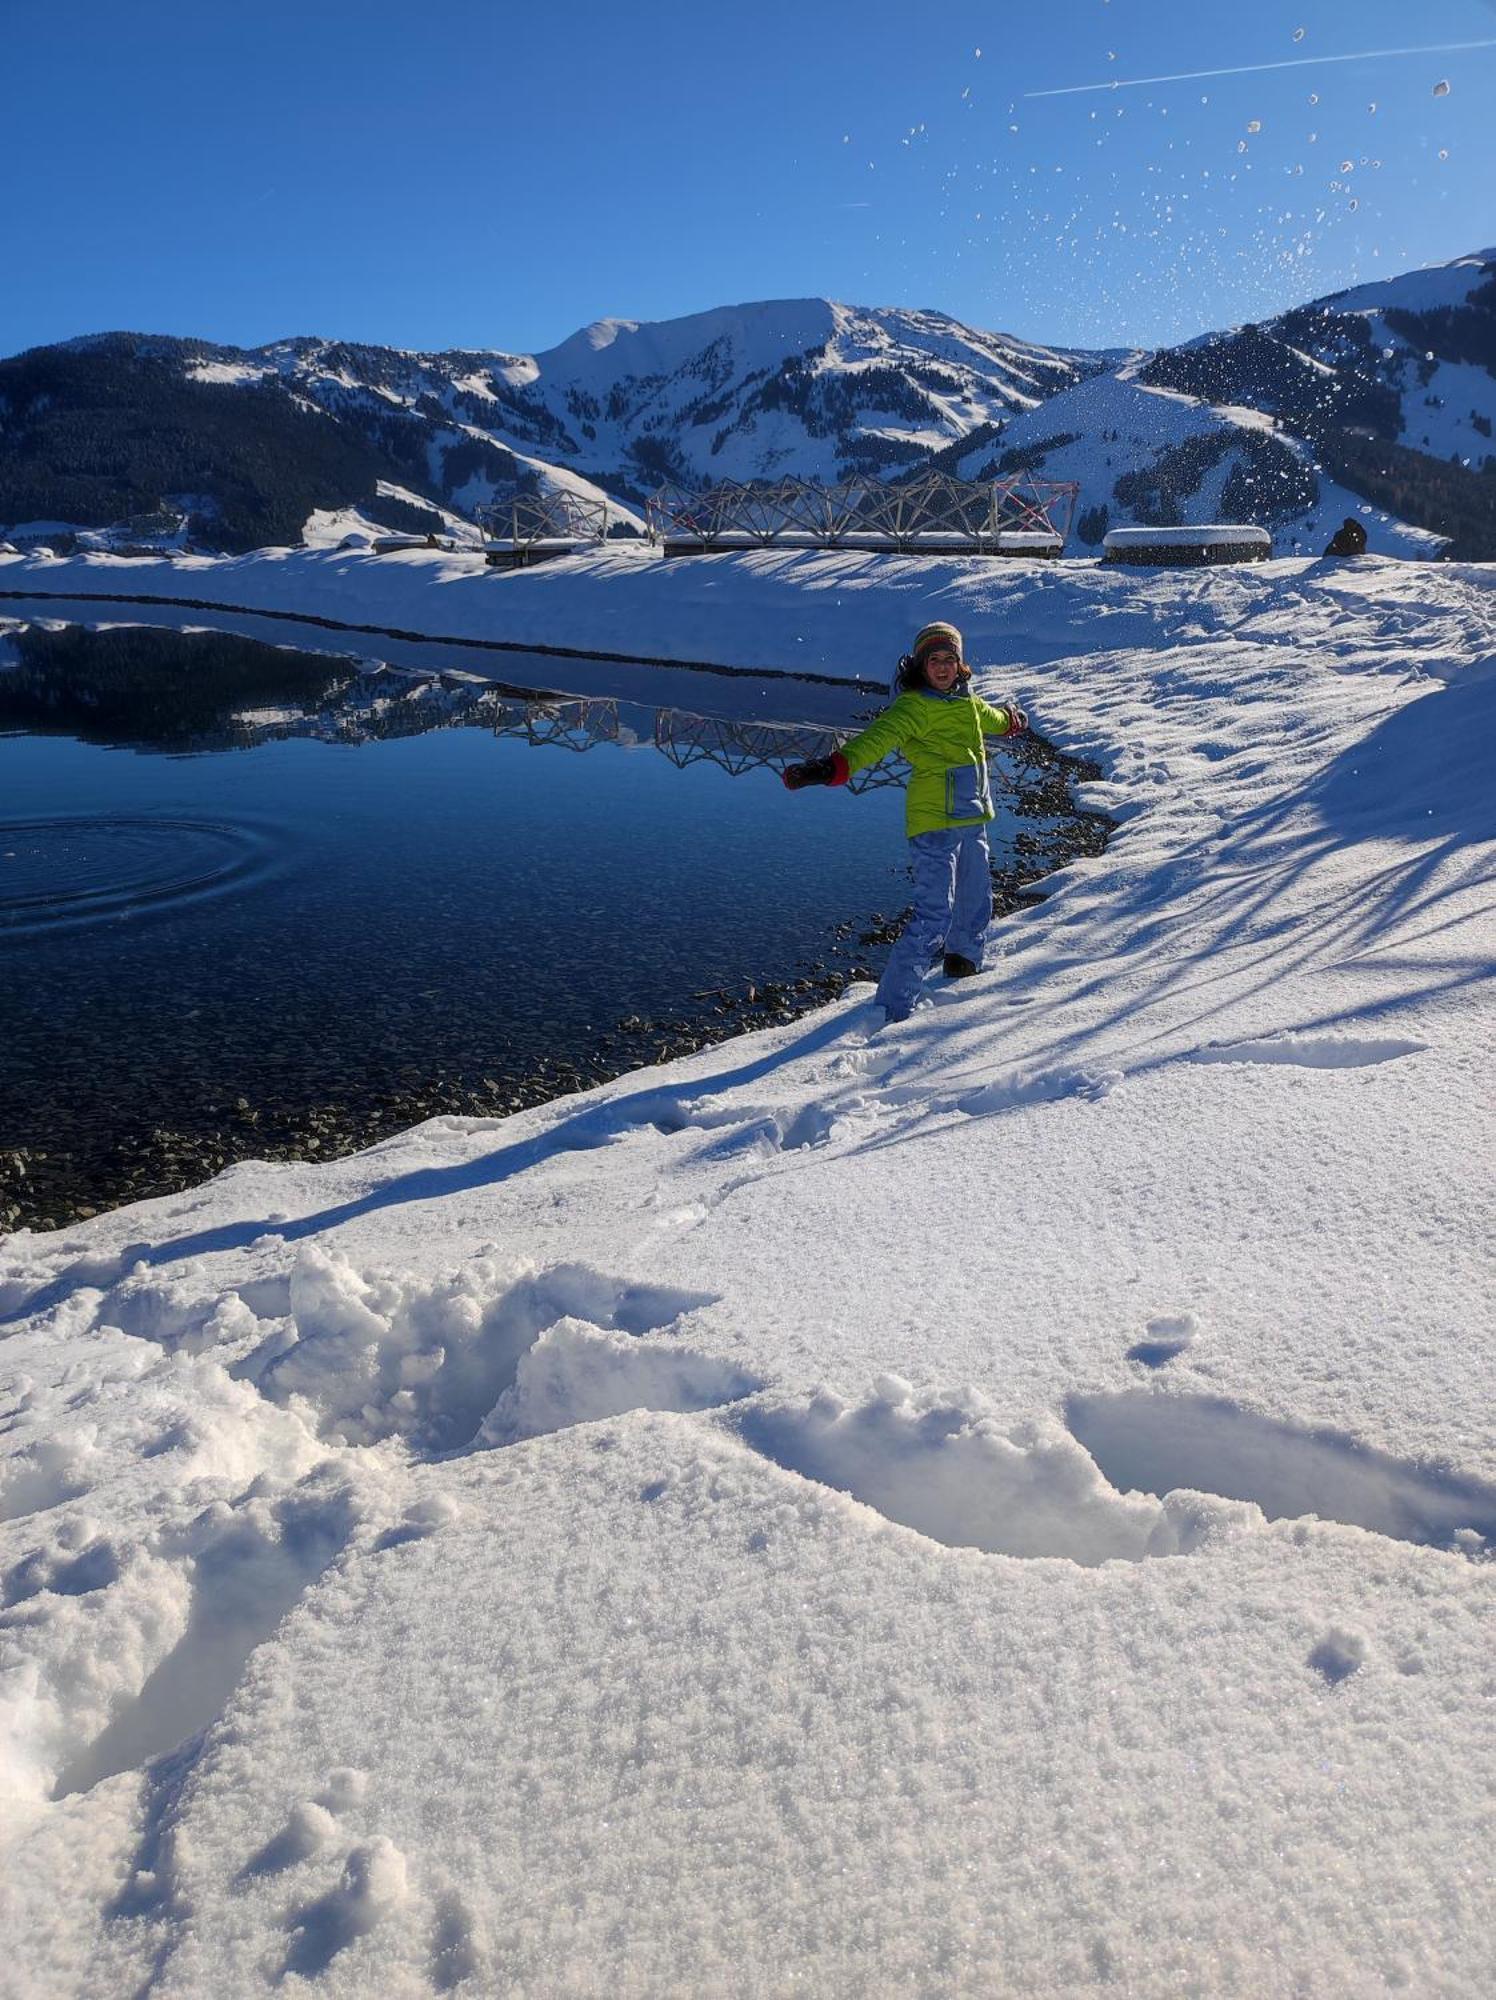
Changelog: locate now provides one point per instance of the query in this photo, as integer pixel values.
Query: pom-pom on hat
(938, 634)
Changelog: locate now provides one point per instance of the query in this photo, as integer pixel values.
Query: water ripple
(64, 873)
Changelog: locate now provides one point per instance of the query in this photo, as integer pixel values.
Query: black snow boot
(954, 966)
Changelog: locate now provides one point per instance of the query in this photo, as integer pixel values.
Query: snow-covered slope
(1375, 356)
(1392, 385)
(1146, 455)
(798, 386)
(1434, 333)
(992, 1506)
(1378, 402)
(1433, 288)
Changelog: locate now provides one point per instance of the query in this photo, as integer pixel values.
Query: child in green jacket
(939, 726)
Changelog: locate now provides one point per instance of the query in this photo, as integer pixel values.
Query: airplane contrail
(1256, 69)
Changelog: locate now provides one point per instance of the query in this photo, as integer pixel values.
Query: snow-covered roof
(1208, 535)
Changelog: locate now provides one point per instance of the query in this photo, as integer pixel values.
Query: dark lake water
(261, 903)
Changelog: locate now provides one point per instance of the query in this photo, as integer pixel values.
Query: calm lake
(260, 903)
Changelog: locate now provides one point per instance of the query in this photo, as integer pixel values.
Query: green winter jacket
(940, 737)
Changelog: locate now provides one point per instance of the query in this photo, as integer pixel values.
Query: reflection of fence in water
(565, 724)
(739, 747)
(736, 747)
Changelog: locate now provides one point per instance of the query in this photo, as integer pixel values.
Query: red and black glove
(1017, 720)
(832, 770)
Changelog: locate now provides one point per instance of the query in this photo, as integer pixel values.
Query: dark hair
(910, 673)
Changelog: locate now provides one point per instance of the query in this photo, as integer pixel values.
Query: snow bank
(992, 1505)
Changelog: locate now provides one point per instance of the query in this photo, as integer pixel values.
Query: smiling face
(941, 666)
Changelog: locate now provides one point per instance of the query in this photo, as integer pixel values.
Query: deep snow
(998, 1504)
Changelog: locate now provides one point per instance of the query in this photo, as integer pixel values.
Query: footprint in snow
(454, 1948)
(1022, 1087)
(372, 1885)
(41, 1476)
(1169, 1334)
(421, 1521)
(1338, 1655)
(308, 1829)
(94, 1568)
(1126, 1476)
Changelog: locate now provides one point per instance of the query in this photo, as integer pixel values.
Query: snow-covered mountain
(1143, 454)
(797, 386)
(1379, 400)
(789, 386)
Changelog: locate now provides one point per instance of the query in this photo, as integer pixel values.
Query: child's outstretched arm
(885, 733)
(1006, 720)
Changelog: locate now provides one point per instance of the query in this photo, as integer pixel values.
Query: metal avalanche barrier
(931, 515)
(532, 526)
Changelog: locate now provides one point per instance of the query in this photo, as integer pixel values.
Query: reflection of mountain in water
(133, 687)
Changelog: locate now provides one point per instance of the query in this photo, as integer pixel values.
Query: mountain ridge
(1379, 399)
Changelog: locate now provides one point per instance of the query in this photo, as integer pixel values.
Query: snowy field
(997, 1505)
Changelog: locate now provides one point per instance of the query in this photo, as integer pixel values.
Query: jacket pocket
(967, 794)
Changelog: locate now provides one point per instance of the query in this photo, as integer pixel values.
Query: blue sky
(489, 175)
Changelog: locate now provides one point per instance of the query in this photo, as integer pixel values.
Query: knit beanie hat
(938, 634)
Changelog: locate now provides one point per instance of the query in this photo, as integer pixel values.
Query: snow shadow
(248, 1570)
(454, 1950)
(1417, 789)
(1151, 1443)
(305, 1832)
(93, 1568)
(594, 1124)
(1312, 1051)
(1338, 1655)
(373, 1884)
(1429, 761)
(940, 1465)
(1169, 1336)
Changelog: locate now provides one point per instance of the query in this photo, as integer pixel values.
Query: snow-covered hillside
(997, 1505)
(1432, 340)
(1153, 455)
(1392, 386)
